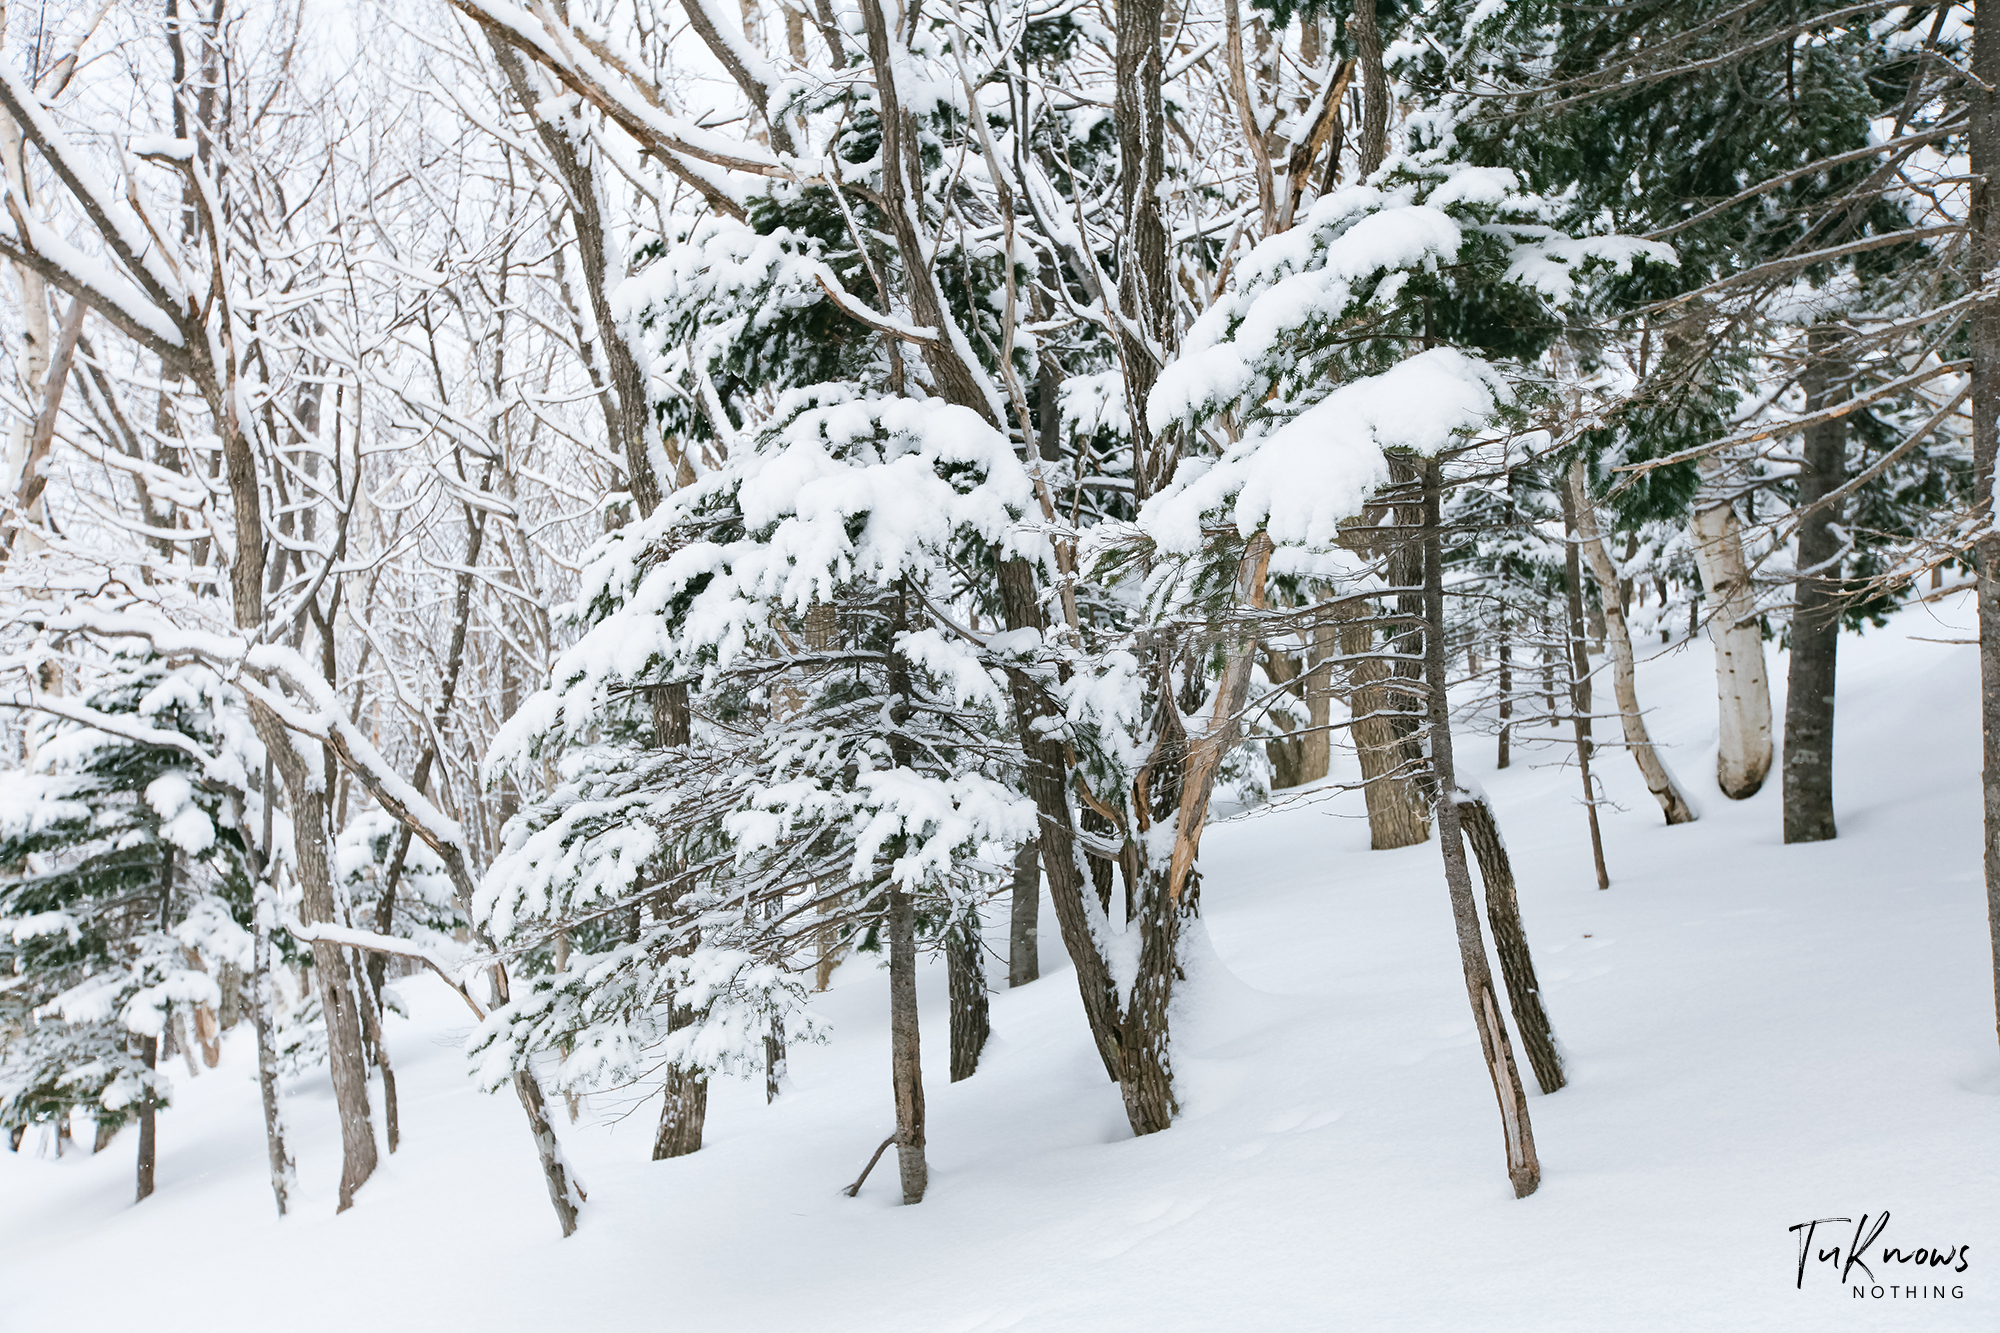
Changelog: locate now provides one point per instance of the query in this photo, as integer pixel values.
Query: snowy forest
(1247, 598)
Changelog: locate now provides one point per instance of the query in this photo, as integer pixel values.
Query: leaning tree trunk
(1742, 692)
(1024, 920)
(1984, 228)
(1579, 681)
(1808, 765)
(1522, 1166)
(1618, 641)
(971, 1021)
(1510, 940)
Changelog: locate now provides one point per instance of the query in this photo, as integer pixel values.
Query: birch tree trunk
(1807, 775)
(1523, 1168)
(1743, 693)
(1618, 642)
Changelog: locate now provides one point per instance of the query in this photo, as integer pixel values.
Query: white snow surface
(1757, 1035)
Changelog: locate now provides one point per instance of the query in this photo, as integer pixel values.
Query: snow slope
(1757, 1036)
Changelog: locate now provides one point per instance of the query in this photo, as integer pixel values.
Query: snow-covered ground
(1757, 1036)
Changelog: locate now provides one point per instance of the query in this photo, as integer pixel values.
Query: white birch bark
(1743, 691)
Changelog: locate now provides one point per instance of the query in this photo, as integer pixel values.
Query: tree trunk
(1579, 680)
(1510, 941)
(774, 1060)
(971, 1021)
(1984, 228)
(1743, 694)
(1808, 766)
(263, 1014)
(684, 1111)
(1024, 922)
(336, 997)
(1618, 640)
(1523, 1169)
(1374, 144)
(1298, 760)
(371, 1018)
(1047, 774)
(1396, 813)
(905, 1058)
(149, 1054)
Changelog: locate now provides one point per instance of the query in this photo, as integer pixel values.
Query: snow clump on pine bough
(1305, 354)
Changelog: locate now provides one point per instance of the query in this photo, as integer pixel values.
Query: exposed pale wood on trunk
(1743, 693)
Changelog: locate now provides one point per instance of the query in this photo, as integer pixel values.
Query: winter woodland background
(606, 605)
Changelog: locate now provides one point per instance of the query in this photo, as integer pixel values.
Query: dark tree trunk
(149, 1054)
(1024, 922)
(1046, 773)
(971, 1022)
(685, 1108)
(1984, 226)
(905, 1058)
(1808, 759)
(1510, 941)
(1374, 145)
(1144, 291)
(774, 1060)
(1579, 679)
(1522, 1166)
(1506, 657)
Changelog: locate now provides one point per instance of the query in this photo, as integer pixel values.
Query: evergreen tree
(126, 891)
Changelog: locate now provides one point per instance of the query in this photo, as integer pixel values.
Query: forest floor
(1757, 1036)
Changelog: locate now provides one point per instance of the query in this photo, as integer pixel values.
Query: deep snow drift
(1757, 1036)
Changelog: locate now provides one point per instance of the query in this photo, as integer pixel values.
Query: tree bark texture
(1397, 816)
(1024, 920)
(1145, 294)
(1510, 941)
(1984, 238)
(1742, 691)
(1807, 775)
(1374, 144)
(971, 1020)
(1624, 667)
(1523, 1168)
(905, 1057)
